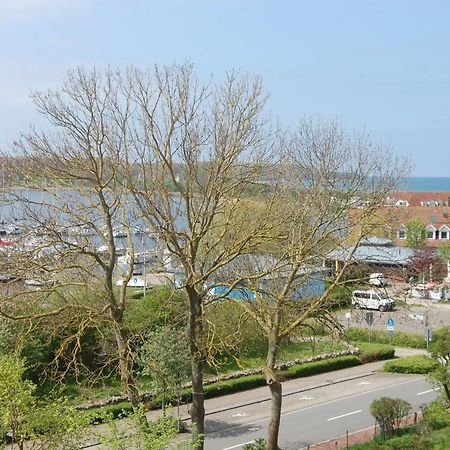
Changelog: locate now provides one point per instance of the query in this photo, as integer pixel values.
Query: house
(375, 252)
(431, 209)
(309, 281)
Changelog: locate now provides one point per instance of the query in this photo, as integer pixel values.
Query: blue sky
(379, 65)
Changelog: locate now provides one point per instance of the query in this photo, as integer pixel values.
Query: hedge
(399, 339)
(419, 364)
(326, 365)
(374, 352)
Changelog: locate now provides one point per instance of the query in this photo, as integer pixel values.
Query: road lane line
(345, 415)
(239, 445)
(429, 390)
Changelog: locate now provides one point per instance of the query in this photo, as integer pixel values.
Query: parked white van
(372, 300)
(377, 279)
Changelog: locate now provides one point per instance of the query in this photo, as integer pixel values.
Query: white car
(378, 279)
(372, 300)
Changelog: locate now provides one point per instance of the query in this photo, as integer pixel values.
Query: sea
(425, 184)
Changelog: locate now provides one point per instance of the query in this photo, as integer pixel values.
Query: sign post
(369, 320)
(390, 328)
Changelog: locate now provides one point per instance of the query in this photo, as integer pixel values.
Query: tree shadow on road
(221, 429)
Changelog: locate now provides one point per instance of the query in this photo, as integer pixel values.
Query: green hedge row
(420, 364)
(327, 365)
(399, 339)
(374, 352)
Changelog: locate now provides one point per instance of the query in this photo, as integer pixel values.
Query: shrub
(436, 416)
(326, 365)
(399, 339)
(374, 352)
(419, 364)
(389, 412)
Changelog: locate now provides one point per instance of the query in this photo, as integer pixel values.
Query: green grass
(436, 440)
(288, 352)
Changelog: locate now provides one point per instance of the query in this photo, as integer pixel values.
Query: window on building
(434, 219)
(444, 234)
(402, 233)
(430, 234)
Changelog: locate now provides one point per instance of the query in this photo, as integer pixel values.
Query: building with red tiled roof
(416, 199)
(432, 209)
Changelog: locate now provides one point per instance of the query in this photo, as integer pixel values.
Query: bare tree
(70, 200)
(205, 153)
(333, 186)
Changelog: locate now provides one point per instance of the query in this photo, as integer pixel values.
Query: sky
(382, 66)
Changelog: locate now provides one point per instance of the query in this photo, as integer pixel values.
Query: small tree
(165, 356)
(416, 234)
(440, 350)
(389, 413)
(42, 425)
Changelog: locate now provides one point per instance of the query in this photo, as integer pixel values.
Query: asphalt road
(316, 415)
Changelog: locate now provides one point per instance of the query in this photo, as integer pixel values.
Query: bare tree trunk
(275, 392)
(275, 415)
(126, 367)
(198, 396)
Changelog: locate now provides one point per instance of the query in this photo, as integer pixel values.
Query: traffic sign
(369, 318)
(390, 324)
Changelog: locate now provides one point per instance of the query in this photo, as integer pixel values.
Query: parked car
(372, 300)
(378, 279)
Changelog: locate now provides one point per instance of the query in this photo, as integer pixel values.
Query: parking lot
(409, 316)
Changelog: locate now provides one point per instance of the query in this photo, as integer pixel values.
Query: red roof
(422, 198)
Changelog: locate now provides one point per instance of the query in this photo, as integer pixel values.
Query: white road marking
(240, 415)
(429, 390)
(345, 415)
(306, 397)
(363, 382)
(239, 445)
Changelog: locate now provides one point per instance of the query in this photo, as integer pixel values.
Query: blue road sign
(390, 324)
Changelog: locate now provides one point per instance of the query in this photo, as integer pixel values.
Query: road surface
(316, 415)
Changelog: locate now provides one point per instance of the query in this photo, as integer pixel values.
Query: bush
(419, 364)
(389, 412)
(436, 416)
(326, 365)
(399, 339)
(374, 352)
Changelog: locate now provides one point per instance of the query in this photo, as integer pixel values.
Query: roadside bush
(399, 339)
(327, 365)
(374, 352)
(389, 412)
(419, 364)
(436, 416)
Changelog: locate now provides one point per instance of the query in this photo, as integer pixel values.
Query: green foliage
(138, 433)
(49, 424)
(327, 365)
(162, 305)
(239, 334)
(436, 416)
(165, 357)
(440, 350)
(374, 352)
(389, 412)
(259, 444)
(399, 339)
(419, 364)
(416, 234)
